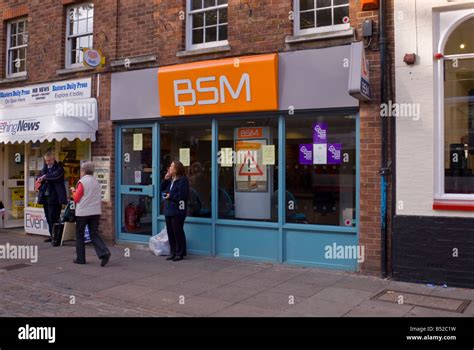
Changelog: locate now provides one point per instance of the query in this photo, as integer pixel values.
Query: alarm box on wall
(368, 5)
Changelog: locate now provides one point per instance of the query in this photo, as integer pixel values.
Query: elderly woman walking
(87, 197)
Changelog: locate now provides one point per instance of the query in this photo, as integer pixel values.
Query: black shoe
(171, 257)
(48, 240)
(178, 258)
(105, 260)
(75, 261)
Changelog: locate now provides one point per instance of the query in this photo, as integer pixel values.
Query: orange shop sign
(231, 85)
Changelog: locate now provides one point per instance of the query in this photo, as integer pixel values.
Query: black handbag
(69, 212)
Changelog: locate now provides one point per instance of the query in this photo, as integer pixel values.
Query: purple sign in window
(334, 153)
(306, 153)
(320, 131)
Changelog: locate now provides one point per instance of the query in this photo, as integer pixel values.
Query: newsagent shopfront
(270, 144)
(59, 117)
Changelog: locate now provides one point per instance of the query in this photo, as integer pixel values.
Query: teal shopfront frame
(275, 242)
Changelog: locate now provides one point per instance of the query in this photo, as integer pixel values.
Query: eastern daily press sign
(48, 92)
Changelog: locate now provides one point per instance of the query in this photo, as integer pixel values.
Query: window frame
(439, 135)
(69, 37)
(9, 48)
(316, 30)
(189, 27)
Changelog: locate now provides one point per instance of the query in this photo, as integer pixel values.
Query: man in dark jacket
(53, 191)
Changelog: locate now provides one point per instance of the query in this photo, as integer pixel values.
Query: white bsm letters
(219, 94)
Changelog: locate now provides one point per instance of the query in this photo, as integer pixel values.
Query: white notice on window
(320, 153)
(185, 156)
(138, 177)
(138, 142)
(226, 157)
(268, 154)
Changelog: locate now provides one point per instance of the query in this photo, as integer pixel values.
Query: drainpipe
(384, 170)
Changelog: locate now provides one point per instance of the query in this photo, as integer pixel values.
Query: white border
(440, 40)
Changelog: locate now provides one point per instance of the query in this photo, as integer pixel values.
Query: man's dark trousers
(52, 211)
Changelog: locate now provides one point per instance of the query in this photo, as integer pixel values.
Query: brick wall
(152, 27)
(423, 254)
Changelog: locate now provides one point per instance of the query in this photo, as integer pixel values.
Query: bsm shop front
(270, 144)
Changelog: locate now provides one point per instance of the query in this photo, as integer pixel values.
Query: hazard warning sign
(250, 165)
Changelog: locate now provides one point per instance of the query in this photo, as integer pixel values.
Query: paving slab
(341, 295)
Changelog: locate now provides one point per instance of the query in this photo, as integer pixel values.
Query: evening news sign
(221, 86)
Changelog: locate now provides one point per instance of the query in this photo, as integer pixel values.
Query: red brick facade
(125, 29)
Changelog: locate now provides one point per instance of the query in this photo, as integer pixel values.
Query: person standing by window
(88, 199)
(53, 191)
(175, 192)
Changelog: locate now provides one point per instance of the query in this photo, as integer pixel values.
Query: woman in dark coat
(175, 192)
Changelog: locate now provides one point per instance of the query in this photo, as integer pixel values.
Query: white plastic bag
(159, 244)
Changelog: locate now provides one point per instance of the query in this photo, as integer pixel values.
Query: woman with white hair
(87, 197)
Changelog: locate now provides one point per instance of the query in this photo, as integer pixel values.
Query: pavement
(136, 283)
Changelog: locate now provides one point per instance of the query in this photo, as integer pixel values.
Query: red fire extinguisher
(131, 217)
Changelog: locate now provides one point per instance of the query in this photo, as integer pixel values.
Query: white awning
(75, 119)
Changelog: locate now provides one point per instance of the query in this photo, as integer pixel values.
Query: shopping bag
(159, 244)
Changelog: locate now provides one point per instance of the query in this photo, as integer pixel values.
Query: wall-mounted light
(462, 46)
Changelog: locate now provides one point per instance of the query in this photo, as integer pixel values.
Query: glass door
(136, 210)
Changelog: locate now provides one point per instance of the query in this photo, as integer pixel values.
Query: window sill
(13, 79)
(319, 36)
(73, 70)
(207, 50)
(453, 205)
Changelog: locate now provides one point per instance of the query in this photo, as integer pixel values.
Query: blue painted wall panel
(253, 242)
(309, 248)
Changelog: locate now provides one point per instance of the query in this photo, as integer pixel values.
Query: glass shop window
(248, 169)
(321, 170)
(190, 143)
